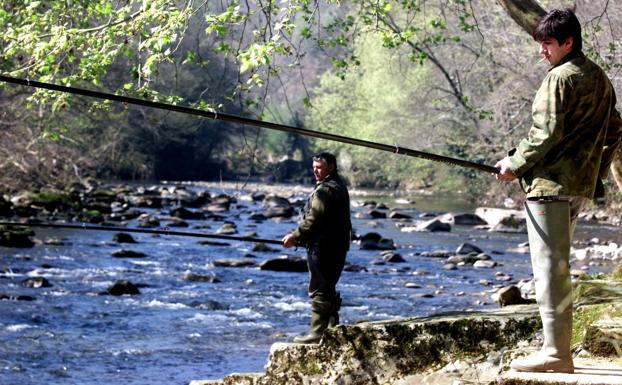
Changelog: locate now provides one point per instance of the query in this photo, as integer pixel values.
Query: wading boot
(333, 320)
(549, 232)
(320, 315)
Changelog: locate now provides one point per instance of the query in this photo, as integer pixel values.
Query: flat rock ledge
(422, 350)
(588, 371)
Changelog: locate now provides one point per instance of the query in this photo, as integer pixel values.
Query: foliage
(450, 77)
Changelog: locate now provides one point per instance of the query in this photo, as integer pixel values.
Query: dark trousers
(325, 268)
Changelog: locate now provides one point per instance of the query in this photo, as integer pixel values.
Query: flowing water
(176, 330)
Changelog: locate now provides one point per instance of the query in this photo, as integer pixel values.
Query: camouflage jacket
(575, 133)
(326, 218)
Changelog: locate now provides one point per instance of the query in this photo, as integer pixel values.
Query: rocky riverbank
(465, 348)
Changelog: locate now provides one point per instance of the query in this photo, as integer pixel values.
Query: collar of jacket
(568, 57)
(327, 178)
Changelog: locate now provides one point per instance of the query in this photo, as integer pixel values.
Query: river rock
(36, 282)
(375, 214)
(494, 215)
(484, 264)
(510, 295)
(184, 213)
(449, 266)
(12, 237)
(392, 257)
(521, 248)
(213, 243)
(228, 228)
(147, 220)
(123, 287)
(123, 238)
(221, 203)
(261, 247)
(7, 297)
(433, 225)
(285, 263)
(510, 225)
(230, 262)
(466, 248)
(209, 305)
(193, 277)
(124, 253)
(354, 268)
(279, 211)
(465, 219)
(257, 217)
(399, 216)
(375, 241)
(463, 259)
(436, 254)
(272, 200)
(176, 222)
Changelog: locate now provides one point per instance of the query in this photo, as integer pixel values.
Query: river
(177, 330)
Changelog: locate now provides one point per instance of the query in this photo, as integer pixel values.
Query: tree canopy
(452, 77)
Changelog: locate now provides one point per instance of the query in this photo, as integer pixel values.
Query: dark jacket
(326, 219)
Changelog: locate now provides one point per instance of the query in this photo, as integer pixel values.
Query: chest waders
(550, 229)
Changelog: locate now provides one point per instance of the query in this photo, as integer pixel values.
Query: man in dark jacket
(325, 231)
(575, 133)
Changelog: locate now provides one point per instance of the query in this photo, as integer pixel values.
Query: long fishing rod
(253, 122)
(146, 231)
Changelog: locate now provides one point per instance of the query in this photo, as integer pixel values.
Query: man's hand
(505, 173)
(288, 241)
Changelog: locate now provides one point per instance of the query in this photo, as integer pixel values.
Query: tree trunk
(526, 14)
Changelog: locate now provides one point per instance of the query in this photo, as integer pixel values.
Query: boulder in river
(466, 248)
(124, 253)
(123, 287)
(510, 295)
(465, 219)
(285, 263)
(392, 257)
(261, 247)
(231, 262)
(194, 277)
(279, 211)
(375, 241)
(184, 213)
(36, 282)
(123, 238)
(13, 237)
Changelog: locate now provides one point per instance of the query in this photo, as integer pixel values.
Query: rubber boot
(333, 320)
(321, 311)
(549, 232)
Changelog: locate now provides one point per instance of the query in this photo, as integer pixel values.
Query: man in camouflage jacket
(575, 133)
(325, 232)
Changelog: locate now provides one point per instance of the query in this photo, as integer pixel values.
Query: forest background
(455, 78)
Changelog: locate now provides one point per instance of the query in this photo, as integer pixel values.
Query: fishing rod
(146, 231)
(253, 122)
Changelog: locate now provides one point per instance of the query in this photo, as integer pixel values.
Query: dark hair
(326, 157)
(559, 24)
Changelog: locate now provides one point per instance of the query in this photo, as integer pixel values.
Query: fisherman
(574, 135)
(325, 231)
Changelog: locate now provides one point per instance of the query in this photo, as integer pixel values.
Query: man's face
(553, 52)
(321, 169)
